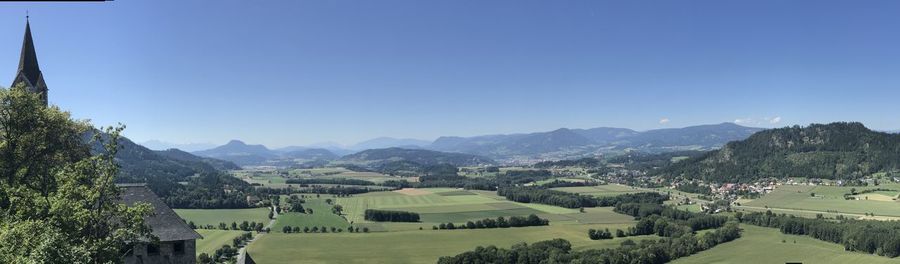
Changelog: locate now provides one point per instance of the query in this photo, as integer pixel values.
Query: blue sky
(298, 72)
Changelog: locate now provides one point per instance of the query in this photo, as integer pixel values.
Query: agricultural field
(602, 190)
(830, 199)
(764, 245)
(277, 178)
(214, 239)
(415, 246)
(417, 242)
(321, 216)
(215, 216)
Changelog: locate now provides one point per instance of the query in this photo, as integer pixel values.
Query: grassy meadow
(764, 245)
(215, 216)
(830, 199)
(417, 242)
(214, 239)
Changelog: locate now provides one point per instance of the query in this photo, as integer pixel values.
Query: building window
(153, 249)
(178, 247)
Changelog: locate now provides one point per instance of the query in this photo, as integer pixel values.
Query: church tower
(29, 72)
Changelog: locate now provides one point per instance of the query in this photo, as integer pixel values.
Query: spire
(29, 72)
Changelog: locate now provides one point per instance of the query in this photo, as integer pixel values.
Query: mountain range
(557, 144)
(595, 140)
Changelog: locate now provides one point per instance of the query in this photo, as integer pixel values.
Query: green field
(215, 216)
(828, 198)
(415, 246)
(277, 178)
(321, 216)
(763, 245)
(214, 239)
(406, 243)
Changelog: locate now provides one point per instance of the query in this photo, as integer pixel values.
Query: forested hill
(163, 171)
(830, 151)
(419, 156)
(180, 155)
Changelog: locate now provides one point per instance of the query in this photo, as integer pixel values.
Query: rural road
(242, 252)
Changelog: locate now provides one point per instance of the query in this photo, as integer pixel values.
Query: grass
(827, 198)
(601, 190)
(321, 216)
(416, 246)
(215, 216)
(763, 245)
(214, 239)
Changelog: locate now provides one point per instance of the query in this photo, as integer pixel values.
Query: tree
(57, 200)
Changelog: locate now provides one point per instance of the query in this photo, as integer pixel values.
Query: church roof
(28, 63)
(166, 224)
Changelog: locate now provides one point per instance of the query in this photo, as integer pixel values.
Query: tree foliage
(59, 203)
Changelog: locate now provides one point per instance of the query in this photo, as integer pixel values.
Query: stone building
(177, 241)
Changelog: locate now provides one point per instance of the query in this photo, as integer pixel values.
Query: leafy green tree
(58, 202)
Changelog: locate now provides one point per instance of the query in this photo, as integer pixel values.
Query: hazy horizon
(290, 73)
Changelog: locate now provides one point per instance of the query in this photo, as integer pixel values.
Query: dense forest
(831, 151)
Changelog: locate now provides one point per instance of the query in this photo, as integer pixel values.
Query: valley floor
(768, 245)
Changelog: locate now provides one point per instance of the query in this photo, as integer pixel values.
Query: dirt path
(242, 252)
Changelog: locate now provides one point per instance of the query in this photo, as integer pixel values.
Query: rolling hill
(586, 141)
(829, 151)
(418, 156)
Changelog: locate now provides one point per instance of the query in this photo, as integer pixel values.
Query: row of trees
(245, 226)
(500, 222)
(316, 229)
(336, 181)
(558, 183)
(560, 251)
(227, 253)
(874, 237)
(694, 221)
(546, 196)
(390, 216)
(543, 195)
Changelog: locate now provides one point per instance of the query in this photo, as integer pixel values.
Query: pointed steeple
(29, 72)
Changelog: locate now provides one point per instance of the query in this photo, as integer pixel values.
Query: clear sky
(298, 72)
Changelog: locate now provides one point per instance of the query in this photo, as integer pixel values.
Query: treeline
(694, 221)
(543, 195)
(337, 190)
(558, 183)
(336, 181)
(694, 187)
(500, 222)
(581, 163)
(546, 196)
(560, 251)
(296, 229)
(390, 216)
(874, 237)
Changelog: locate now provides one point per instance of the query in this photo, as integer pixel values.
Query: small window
(153, 249)
(178, 247)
